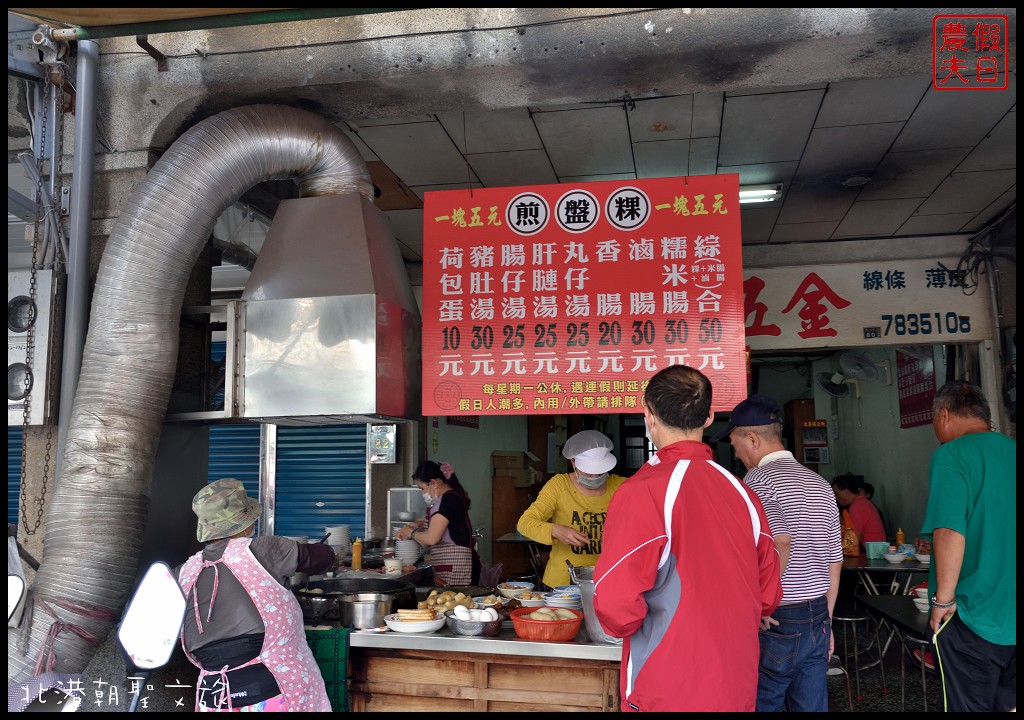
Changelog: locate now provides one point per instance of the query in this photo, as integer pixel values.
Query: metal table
(867, 571)
(532, 549)
(908, 625)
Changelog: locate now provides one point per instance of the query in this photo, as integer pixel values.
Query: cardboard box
(512, 459)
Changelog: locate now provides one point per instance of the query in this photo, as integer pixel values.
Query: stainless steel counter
(505, 643)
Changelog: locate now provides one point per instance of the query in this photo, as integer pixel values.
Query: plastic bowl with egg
(895, 558)
(922, 604)
(923, 559)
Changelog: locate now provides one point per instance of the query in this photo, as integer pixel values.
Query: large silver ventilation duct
(95, 522)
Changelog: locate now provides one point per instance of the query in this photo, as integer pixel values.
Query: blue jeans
(794, 659)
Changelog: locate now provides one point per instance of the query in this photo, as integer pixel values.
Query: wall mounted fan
(858, 365)
(837, 384)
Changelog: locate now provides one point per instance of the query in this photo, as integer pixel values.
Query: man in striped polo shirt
(796, 641)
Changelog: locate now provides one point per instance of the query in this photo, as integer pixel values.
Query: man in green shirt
(971, 520)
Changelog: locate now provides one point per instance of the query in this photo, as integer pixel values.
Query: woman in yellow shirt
(570, 510)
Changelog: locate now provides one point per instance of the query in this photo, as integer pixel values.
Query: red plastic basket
(545, 630)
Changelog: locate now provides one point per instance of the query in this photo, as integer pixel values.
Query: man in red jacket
(688, 567)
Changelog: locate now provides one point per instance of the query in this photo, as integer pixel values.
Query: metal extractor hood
(328, 329)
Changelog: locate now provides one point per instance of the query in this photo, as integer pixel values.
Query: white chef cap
(591, 451)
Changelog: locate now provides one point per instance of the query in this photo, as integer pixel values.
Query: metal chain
(50, 373)
(31, 331)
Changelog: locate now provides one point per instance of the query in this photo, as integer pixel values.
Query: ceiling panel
(661, 119)
(815, 203)
(949, 224)
(968, 192)
(668, 158)
(492, 131)
(402, 148)
(707, 115)
(804, 232)
(703, 156)
(913, 174)
(594, 141)
(876, 217)
(948, 119)
(504, 169)
(835, 151)
(772, 127)
(881, 100)
(995, 152)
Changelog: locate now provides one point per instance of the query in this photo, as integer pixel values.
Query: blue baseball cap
(755, 410)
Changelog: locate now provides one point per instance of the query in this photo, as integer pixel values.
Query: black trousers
(977, 676)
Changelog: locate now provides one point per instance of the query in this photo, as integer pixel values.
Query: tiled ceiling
(935, 163)
(918, 161)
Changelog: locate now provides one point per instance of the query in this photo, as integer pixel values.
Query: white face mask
(647, 434)
(428, 499)
(592, 483)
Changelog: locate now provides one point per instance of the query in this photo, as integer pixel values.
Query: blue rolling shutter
(321, 479)
(13, 473)
(234, 449)
(235, 452)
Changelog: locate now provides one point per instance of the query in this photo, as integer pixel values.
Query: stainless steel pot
(585, 579)
(355, 603)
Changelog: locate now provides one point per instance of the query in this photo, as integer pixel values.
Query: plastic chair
(849, 619)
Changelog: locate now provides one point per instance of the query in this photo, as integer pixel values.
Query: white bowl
(922, 604)
(426, 626)
(479, 602)
(923, 559)
(568, 589)
(539, 602)
(921, 593)
(509, 589)
(895, 558)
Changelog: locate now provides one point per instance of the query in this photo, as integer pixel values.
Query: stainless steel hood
(327, 330)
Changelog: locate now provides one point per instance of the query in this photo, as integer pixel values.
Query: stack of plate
(339, 540)
(571, 600)
(408, 551)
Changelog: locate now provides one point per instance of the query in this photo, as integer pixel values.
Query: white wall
(469, 452)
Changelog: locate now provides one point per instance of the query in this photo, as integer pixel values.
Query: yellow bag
(851, 548)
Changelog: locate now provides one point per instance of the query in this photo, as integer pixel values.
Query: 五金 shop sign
(568, 298)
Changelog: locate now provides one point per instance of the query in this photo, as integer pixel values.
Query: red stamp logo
(970, 52)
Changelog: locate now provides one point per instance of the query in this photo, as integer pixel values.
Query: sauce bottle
(899, 537)
(357, 554)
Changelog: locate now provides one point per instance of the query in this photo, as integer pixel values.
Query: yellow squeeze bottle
(899, 538)
(357, 554)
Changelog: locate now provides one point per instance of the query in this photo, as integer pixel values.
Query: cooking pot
(354, 602)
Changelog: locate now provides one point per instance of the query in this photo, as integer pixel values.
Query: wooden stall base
(416, 680)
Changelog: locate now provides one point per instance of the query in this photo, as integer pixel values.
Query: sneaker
(929, 661)
(835, 666)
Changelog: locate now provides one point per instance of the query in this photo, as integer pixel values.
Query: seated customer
(867, 521)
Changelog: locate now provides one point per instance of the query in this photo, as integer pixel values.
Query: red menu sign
(915, 376)
(568, 298)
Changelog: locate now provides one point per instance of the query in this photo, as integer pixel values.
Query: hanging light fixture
(760, 193)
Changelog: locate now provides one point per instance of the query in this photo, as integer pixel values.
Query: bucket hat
(224, 509)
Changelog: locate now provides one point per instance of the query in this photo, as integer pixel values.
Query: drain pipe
(76, 299)
(98, 514)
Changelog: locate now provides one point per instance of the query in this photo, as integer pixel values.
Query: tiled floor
(876, 698)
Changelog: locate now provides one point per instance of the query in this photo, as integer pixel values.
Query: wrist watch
(942, 606)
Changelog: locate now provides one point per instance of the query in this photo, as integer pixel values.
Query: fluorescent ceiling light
(760, 193)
